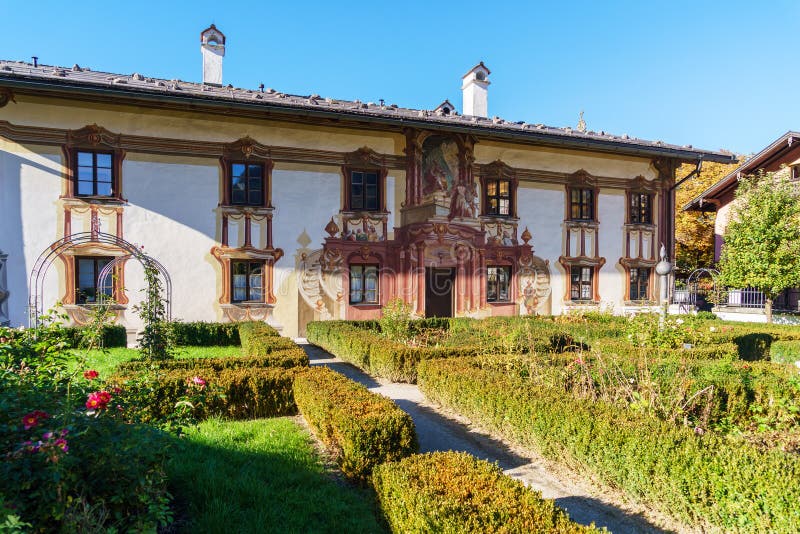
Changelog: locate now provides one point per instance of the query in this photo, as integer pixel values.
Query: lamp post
(663, 269)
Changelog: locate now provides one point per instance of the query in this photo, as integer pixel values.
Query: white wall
(304, 203)
(541, 209)
(171, 213)
(611, 214)
(30, 184)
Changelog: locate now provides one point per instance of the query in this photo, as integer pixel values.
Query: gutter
(265, 108)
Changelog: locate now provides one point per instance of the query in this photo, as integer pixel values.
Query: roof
(83, 83)
(777, 148)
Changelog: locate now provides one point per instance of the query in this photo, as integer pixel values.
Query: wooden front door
(439, 284)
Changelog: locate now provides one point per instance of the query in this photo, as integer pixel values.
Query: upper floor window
(498, 198)
(364, 191)
(363, 284)
(640, 209)
(581, 204)
(247, 184)
(581, 283)
(498, 282)
(247, 281)
(94, 174)
(87, 271)
(640, 280)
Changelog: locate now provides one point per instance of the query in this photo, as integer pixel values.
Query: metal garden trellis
(49, 255)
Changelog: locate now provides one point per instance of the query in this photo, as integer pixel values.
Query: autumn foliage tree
(762, 242)
(694, 231)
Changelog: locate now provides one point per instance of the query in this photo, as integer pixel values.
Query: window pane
(256, 284)
(357, 178)
(237, 170)
(254, 171)
(85, 188)
(255, 198)
(86, 173)
(491, 188)
(505, 207)
(371, 285)
(371, 179)
(104, 161)
(85, 159)
(587, 274)
(104, 189)
(104, 175)
(356, 284)
(237, 190)
(504, 188)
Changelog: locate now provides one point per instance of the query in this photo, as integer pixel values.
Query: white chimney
(212, 46)
(475, 91)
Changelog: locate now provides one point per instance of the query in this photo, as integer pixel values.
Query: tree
(762, 242)
(694, 231)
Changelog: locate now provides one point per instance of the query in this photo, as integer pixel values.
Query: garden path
(441, 430)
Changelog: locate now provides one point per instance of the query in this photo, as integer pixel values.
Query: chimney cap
(210, 34)
(478, 68)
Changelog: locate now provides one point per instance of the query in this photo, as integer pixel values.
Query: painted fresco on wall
(534, 286)
(440, 166)
(501, 235)
(363, 229)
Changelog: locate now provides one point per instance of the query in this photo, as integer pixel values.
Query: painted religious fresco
(443, 180)
(364, 229)
(501, 234)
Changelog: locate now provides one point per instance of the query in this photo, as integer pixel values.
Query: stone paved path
(439, 430)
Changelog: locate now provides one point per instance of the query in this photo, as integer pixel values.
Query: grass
(262, 476)
(104, 362)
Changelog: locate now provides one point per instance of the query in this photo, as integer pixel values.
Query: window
(581, 283)
(498, 198)
(247, 184)
(498, 281)
(87, 269)
(94, 174)
(581, 204)
(364, 191)
(247, 280)
(640, 208)
(640, 280)
(363, 284)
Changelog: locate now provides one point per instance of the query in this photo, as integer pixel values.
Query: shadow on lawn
(222, 488)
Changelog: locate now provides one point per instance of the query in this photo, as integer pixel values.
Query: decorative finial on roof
(332, 228)
(526, 235)
(581, 124)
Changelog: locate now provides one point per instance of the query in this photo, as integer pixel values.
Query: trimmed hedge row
(205, 334)
(283, 358)
(698, 478)
(243, 393)
(621, 349)
(363, 429)
(114, 335)
(453, 492)
(364, 347)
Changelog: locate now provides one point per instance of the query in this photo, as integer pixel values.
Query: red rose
(91, 374)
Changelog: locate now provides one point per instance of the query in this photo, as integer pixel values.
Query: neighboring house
(782, 156)
(269, 206)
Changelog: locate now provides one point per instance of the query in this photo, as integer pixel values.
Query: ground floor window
(498, 282)
(640, 280)
(247, 281)
(87, 269)
(581, 283)
(363, 284)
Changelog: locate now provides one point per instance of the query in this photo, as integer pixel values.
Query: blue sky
(710, 74)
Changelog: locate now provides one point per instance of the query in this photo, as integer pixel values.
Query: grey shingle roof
(26, 75)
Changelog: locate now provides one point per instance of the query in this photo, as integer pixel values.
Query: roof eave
(63, 88)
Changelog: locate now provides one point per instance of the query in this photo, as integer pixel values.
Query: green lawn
(104, 362)
(261, 476)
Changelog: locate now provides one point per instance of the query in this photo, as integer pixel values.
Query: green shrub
(785, 351)
(706, 316)
(704, 478)
(362, 428)
(205, 334)
(114, 335)
(453, 492)
(285, 358)
(237, 393)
